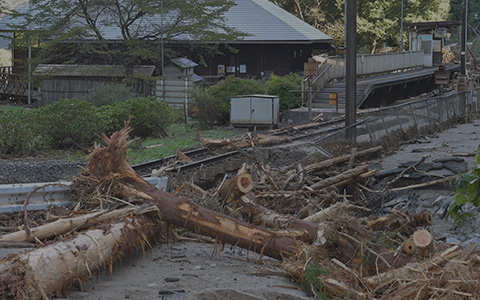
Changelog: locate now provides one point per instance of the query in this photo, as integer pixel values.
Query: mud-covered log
(395, 221)
(49, 270)
(336, 160)
(111, 162)
(439, 259)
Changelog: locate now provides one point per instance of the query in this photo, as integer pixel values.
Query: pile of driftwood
(334, 248)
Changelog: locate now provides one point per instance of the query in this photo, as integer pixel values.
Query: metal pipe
(29, 59)
(463, 40)
(345, 26)
(351, 69)
(401, 30)
(163, 73)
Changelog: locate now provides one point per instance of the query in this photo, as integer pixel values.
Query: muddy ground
(194, 269)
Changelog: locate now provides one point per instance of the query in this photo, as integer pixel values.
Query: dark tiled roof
(91, 70)
(262, 20)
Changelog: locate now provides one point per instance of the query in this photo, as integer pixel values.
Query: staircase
(321, 98)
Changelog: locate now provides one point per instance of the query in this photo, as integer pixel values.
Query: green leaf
(460, 199)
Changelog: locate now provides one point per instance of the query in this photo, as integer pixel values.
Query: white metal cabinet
(254, 110)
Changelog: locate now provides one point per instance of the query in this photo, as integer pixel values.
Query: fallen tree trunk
(50, 270)
(340, 159)
(258, 139)
(357, 178)
(110, 162)
(348, 175)
(263, 216)
(63, 226)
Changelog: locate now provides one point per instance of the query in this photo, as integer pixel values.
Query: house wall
(53, 89)
(257, 60)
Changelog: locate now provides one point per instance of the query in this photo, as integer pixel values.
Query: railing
(12, 84)
(368, 64)
(412, 118)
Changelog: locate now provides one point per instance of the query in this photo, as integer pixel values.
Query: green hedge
(148, 117)
(20, 133)
(213, 104)
(78, 124)
(70, 123)
(283, 87)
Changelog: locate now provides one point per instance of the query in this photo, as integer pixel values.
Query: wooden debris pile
(302, 216)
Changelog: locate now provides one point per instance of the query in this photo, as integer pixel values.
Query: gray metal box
(254, 110)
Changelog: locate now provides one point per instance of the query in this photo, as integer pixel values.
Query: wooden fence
(12, 86)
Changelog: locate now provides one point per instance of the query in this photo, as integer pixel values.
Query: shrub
(206, 110)
(70, 123)
(280, 86)
(222, 92)
(148, 117)
(19, 133)
(109, 93)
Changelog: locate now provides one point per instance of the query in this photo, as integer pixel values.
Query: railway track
(208, 164)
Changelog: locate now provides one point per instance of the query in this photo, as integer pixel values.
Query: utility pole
(351, 72)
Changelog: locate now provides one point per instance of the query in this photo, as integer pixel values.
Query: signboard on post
(310, 68)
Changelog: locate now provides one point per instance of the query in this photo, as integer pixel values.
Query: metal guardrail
(407, 118)
(12, 196)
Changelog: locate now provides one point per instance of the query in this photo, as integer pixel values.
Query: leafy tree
(83, 30)
(378, 21)
(473, 17)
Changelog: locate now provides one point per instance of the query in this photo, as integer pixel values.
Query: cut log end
(236, 187)
(424, 242)
(424, 218)
(409, 247)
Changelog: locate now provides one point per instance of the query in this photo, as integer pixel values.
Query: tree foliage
(473, 16)
(378, 21)
(92, 26)
(468, 191)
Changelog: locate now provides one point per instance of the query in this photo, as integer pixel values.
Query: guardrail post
(398, 119)
(372, 138)
(428, 113)
(310, 97)
(414, 118)
(383, 121)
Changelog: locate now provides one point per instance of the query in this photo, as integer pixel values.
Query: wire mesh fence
(387, 126)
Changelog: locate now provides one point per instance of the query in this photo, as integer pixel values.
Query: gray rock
(437, 166)
(456, 167)
(475, 240)
(453, 240)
